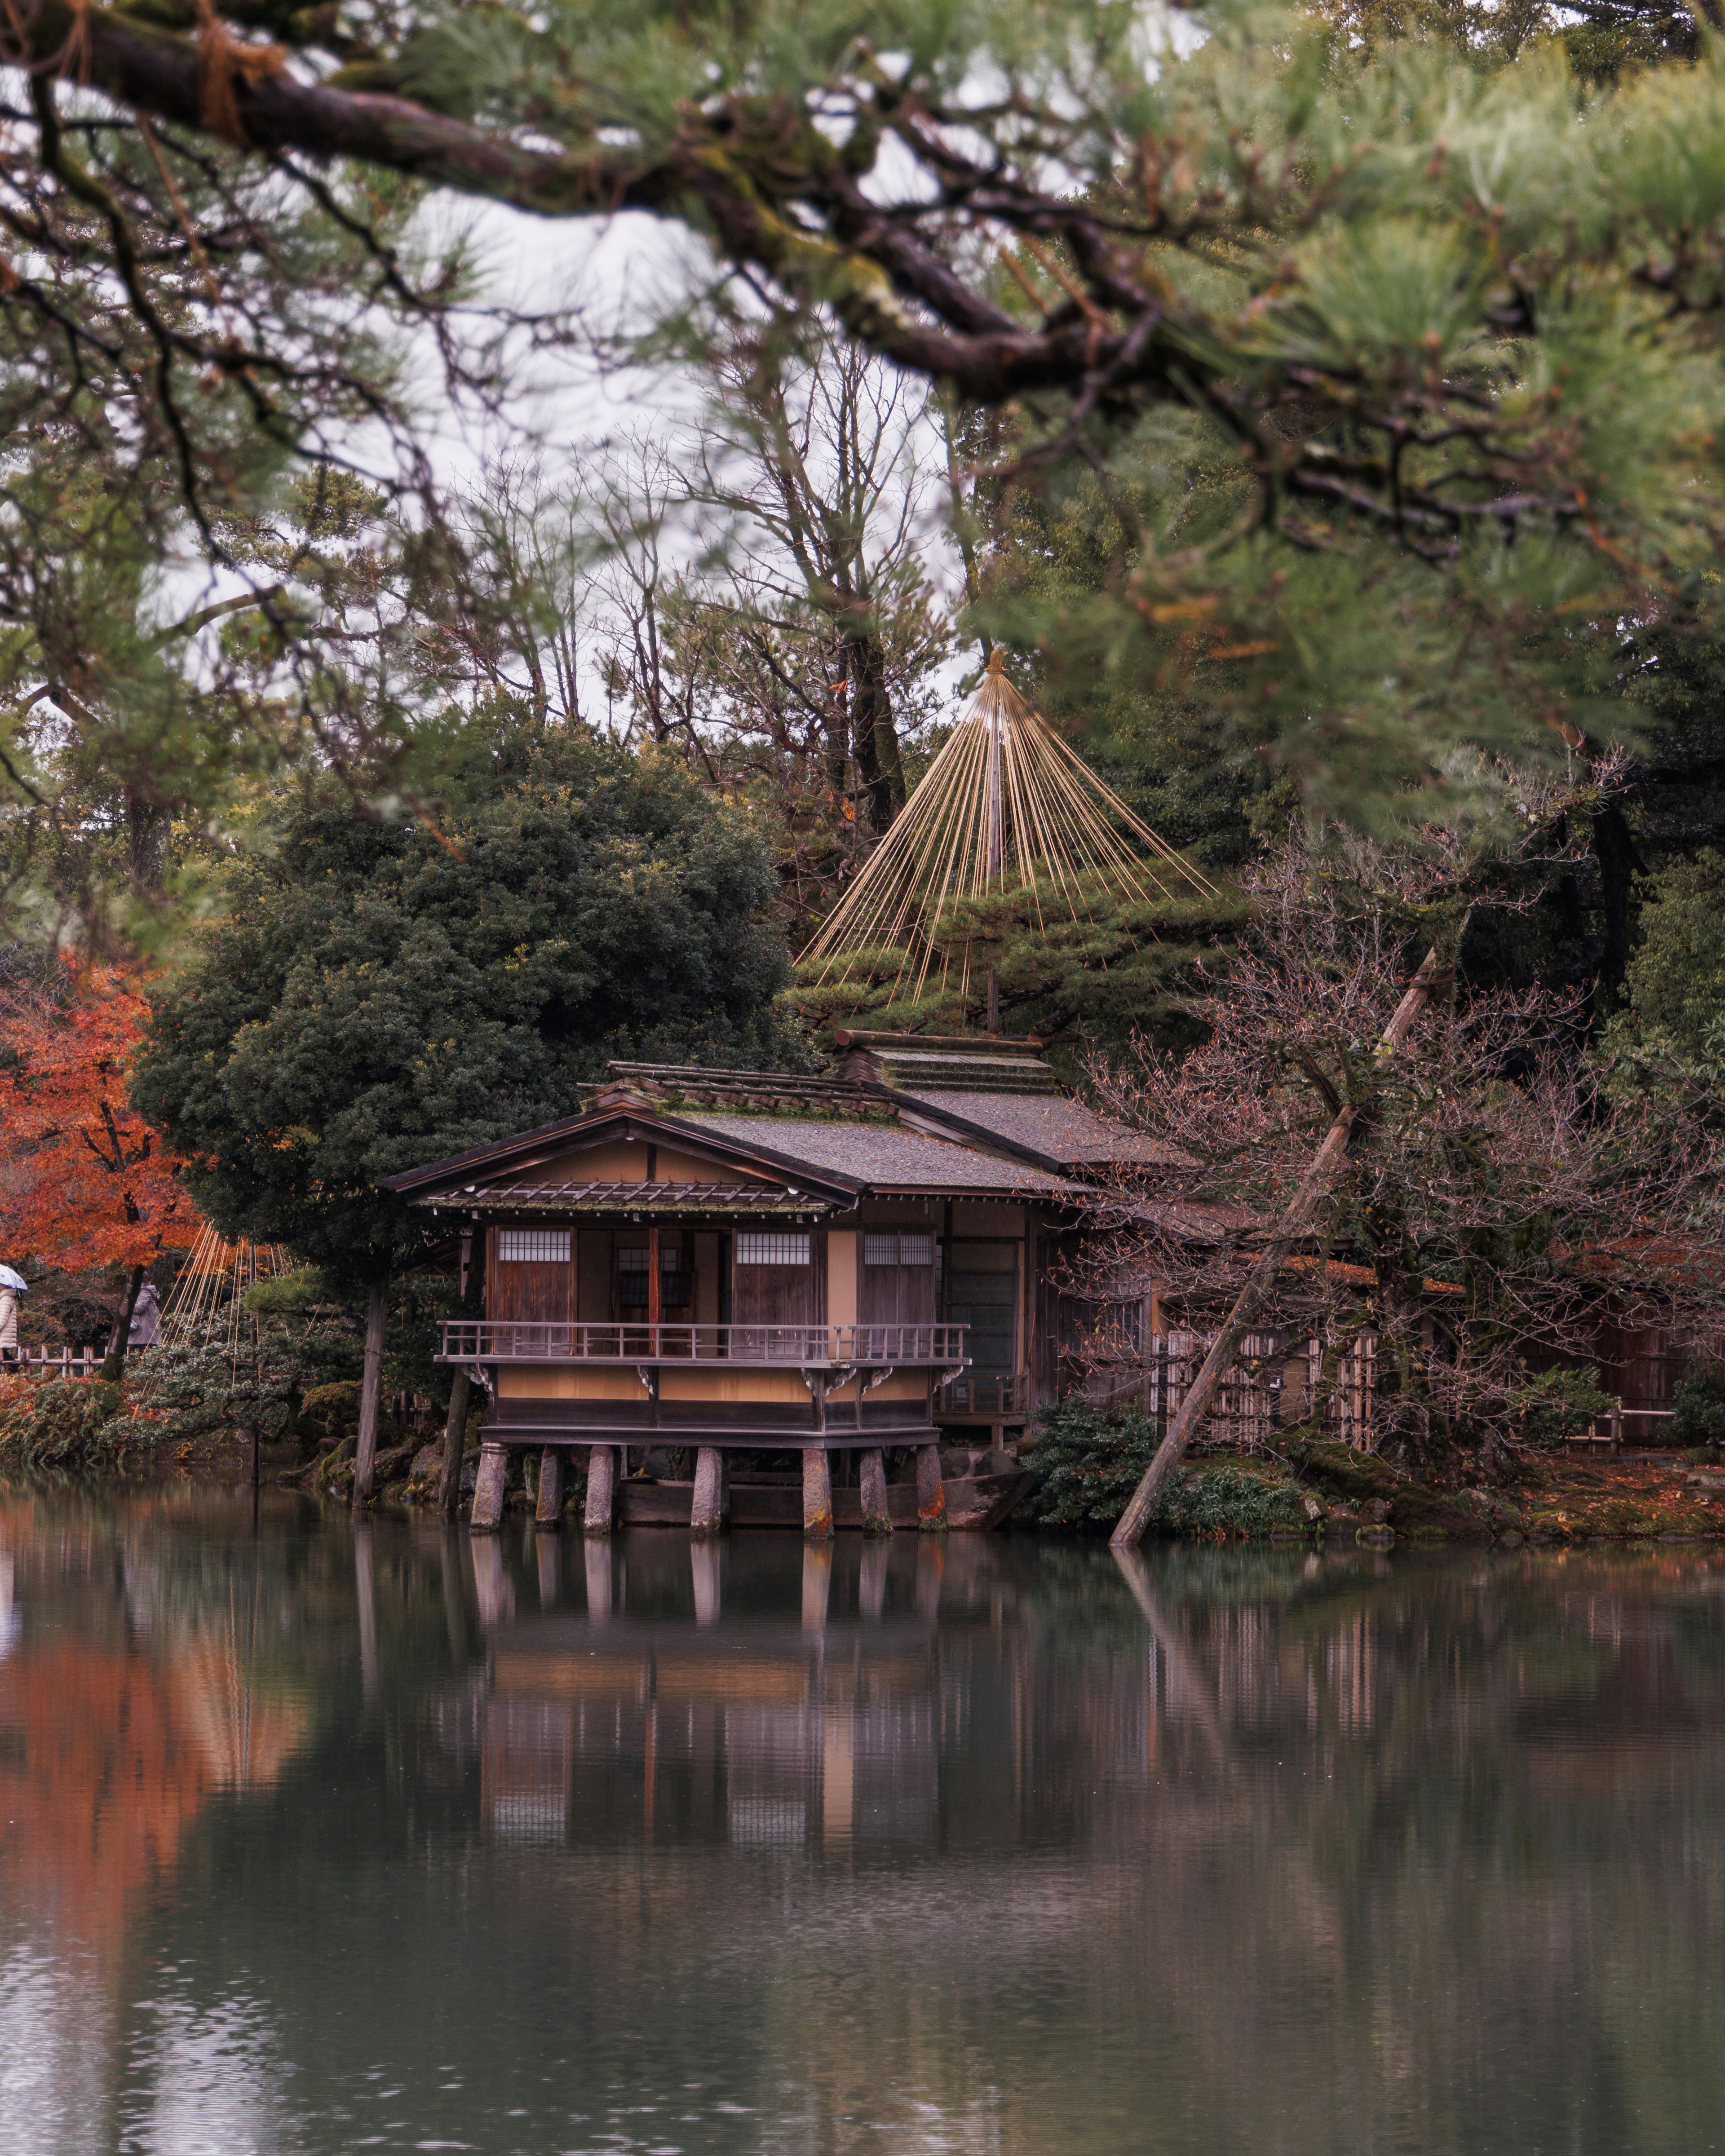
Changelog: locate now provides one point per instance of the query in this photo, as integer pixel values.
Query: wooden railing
(792, 1347)
(983, 1393)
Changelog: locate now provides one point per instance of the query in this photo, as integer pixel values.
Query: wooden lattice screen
(1153, 1373)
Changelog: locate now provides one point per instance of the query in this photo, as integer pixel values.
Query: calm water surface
(316, 1841)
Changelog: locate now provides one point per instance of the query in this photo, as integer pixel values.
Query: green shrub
(1345, 1472)
(1699, 1405)
(295, 1294)
(1214, 1500)
(1091, 1461)
(66, 1423)
(329, 1413)
(1556, 1404)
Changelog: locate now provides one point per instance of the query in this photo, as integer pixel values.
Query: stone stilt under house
(817, 1494)
(601, 1489)
(930, 1496)
(488, 1490)
(708, 1512)
(548, 1513)
(872, 1478)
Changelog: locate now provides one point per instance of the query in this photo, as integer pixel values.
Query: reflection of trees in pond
(1410, 1852)
(115, 1732)
(1379, 1838)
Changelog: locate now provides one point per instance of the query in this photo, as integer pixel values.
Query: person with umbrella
(12, 1286)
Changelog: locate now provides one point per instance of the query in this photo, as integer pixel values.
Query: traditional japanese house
(718, 1268)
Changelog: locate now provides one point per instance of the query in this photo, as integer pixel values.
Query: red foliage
(83, 1180)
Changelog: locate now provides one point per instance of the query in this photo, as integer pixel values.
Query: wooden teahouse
(721, 1268)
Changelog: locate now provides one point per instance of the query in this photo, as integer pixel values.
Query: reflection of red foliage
(100, 1784)
(90, 1183)
(106, 1757)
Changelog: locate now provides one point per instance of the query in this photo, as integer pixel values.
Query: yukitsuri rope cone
(1005, 809)
(206, 1308)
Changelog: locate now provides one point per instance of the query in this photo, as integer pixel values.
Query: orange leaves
(83, 1180)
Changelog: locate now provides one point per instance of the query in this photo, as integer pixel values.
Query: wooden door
(983, 1293)
(778, 1280)
(531, 1277)
(896, 1283)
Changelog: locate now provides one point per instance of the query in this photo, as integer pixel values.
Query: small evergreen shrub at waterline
(1698, 1404)
(1090, 1462)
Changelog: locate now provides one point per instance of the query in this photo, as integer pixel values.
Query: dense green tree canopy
(382, 994)
(1676, 979)
(1444, 311)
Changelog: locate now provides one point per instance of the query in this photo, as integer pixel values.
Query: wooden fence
(52, 1363)
(1268, 1388)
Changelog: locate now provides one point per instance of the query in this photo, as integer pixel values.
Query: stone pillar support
(548, 1513)
(875, 1518)
(601, 1489)
(712, 1498)
(816, 1494)
(930, 1496)
(488, 1490)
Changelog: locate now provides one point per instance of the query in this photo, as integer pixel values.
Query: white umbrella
(16, 1281)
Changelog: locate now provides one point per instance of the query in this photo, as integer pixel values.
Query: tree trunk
(448, 1480)
(1294, 1223)
(873, 737)
(370, 1390)
(113, 1361)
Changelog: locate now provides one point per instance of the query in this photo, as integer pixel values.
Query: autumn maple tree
(85, 1181)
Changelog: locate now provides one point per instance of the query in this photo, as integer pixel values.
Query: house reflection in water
(799, 1728)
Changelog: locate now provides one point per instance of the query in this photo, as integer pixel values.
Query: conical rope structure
(206, 1307)
(1006, 809)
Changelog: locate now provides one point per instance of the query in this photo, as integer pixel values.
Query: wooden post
(1616, 1447)
(449, 1479)
(488, 1491)
(931, 1494)
(1326, 1166)
(601, 1487)
(707, 1516)
(875, 1518)
(817, 1494)
(548, 1513)
(370, 1385)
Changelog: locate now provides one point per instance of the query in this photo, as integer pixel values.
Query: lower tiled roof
(1059, 1129)
(720, 1200)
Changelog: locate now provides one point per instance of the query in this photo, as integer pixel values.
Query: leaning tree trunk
(449, 1482)
(370, 1391)
(114, 1361)
(1294, 1223)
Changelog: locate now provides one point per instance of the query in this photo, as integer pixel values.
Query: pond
(314, 1839)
